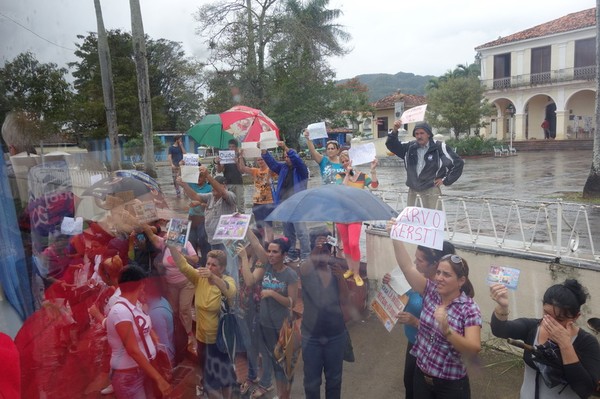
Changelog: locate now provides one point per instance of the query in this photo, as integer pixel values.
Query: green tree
(455, 101)
(39, 89)
(175, 86)
(352, 104)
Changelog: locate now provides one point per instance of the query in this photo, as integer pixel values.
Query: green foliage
(455, 101)
(382, 84)
(352, 103)
(175, 85)
(474, 145)
(135, 146)
(39, 89)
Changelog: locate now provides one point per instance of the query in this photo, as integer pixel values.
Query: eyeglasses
(457, 260)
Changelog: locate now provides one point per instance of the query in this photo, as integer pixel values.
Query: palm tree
(591, 189)
(141, 65)
(108, 89)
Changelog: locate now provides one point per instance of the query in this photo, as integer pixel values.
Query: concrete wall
(526, 301)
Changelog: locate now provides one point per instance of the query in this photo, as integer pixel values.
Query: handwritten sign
(268, 140)
(189, 174)
(362, 153)
(414, 114)
(250, 150)
(190, 159)
(317, 131)
(227, 156)
(387, 304)
(420, 226)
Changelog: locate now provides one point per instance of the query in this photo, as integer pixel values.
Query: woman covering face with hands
(566, 362)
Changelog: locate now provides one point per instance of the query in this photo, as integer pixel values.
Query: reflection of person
(329, 164)
(350, 232)
(220, 201)
(211, 284)
(198, 235)
(279, 293)
(324, 335)
(129, 332)
(235, 182)
(175, 157)
(426, 261)
(449, 332)
(429, 164)
(546, 127)
(263, 195)
(578, 368)
(293, 178)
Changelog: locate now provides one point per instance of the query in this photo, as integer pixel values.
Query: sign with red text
(414, 114)
(387, 305)
(420, 226)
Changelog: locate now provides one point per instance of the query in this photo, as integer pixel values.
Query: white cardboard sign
(420, 226)
(415, 114)
(227, 156)
(317, 131)
(362, 153)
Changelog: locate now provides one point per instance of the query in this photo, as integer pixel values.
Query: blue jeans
(298, 230)
(323, 355)
(131, 385)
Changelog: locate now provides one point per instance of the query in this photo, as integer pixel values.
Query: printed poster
(232, 227)
(387, 304)
(178, 232)
(504, 275)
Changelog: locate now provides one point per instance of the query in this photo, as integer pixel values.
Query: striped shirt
(435, 355)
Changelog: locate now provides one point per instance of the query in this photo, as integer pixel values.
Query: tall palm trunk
(141, 65)
(108, 90)
(591, 189)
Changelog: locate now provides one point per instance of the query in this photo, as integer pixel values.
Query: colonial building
(545, 73)
(390, 108)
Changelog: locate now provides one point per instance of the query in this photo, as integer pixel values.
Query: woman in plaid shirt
(449, 333)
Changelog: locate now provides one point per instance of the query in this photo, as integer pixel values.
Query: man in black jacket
(428, 163)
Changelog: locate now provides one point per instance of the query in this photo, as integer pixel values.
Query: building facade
(545, 73)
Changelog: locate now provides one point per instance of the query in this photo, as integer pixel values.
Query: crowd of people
(120, 295)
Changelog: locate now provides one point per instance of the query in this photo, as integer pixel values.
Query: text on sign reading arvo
(420, 226)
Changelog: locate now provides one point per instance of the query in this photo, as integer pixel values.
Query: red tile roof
(410, 100)
(570, 22)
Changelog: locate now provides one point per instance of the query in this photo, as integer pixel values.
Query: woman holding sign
(329, 164)
(449, 330)
(561, 359)
(350, 233)
(426, 261)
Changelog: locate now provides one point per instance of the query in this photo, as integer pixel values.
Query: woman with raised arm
(329, 164)
(279, 292)
(426, 261)
(449, 332)
(575, 369)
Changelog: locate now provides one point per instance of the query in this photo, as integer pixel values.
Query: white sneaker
(289, 259)
(108, 390)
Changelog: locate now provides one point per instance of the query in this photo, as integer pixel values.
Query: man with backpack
(429, 164)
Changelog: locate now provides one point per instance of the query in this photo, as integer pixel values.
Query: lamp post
(510, 110)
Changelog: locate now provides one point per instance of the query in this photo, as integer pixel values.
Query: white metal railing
(566, 231)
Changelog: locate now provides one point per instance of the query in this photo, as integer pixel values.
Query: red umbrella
(241, 120)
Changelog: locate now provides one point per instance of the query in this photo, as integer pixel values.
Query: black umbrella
(332, 203)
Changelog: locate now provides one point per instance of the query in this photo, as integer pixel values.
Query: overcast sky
(425, 37)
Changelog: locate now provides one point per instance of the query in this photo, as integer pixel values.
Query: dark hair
(320, 232)
(283, 242)
(221, 179)
(433, 255)
(131, 278)
(178, 137)
(461, 268)
(568, 297)
(233, 141)
(334, 142)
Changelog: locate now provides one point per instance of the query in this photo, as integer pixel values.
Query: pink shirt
(172, 273)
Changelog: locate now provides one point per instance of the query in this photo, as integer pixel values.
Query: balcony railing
(587, 73)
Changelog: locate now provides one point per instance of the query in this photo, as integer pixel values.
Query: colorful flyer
(232, 227)
(178, 232)
(504, 275)
(387, 304)
(145, 211)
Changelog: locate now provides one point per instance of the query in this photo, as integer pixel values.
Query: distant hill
(384, 84)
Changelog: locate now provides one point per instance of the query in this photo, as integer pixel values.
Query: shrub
(474, 145)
